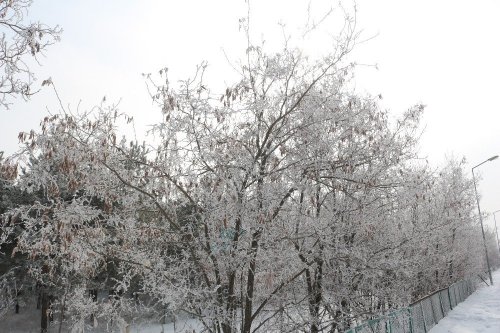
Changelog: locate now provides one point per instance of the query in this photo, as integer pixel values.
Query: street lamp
(496, 229)
(481, 217)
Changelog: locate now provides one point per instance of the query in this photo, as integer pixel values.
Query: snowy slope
(479, 313)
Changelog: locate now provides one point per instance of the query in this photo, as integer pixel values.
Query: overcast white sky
(444, 54)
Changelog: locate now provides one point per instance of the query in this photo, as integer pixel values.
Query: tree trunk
(247, 320)
(45, 311)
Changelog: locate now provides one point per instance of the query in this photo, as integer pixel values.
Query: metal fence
(422, 315)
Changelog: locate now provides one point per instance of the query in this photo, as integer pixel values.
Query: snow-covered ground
(28, 321)
(479, 313)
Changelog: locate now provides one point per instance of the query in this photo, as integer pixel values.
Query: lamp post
(496, 229)
(481, 217)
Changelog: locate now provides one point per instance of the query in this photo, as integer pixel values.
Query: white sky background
(444, 54)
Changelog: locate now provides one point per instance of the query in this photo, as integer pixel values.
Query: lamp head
(493, 158)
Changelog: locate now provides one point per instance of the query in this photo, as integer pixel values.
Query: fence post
(423, 316)
(449, 298)
(410, 321)
(433, 310)
(441, 304)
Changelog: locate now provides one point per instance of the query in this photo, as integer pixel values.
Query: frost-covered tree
(13, 278)
(21, 44)
(285, 202)
(441, 223)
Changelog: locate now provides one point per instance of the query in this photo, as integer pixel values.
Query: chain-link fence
(422, 315)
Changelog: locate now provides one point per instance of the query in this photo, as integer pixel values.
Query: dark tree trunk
(39, 300)
(45, 311)
(93, 295)
(247, 319)
(316, 285)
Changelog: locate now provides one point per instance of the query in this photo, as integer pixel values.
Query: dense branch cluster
(21, 43)
(287, 203)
